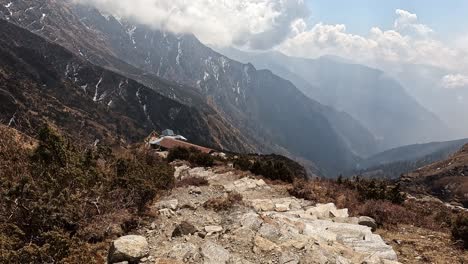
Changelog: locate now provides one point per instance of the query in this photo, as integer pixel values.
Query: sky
(447, 17)
(372, 32)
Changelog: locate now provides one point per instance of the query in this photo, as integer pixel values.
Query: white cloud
(256, 24)
(407, 42)
(407, 21)
(455, 81)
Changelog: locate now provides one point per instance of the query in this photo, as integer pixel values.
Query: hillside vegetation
(61, 202)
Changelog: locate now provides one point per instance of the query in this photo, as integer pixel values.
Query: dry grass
(430, 215)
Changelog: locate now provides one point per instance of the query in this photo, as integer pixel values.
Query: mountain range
(379, 102)
(266, 112)
(122, 80)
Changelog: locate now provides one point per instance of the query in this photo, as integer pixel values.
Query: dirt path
(267, 226)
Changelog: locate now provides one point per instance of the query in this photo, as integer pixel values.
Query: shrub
(242, 163)
(58, 198)
(178, 153)
(194, 156)
(223, 203)
(201, 159)
(460, 229)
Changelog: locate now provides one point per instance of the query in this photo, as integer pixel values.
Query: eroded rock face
(128, 248)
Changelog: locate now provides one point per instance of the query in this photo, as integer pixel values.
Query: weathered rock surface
(128, 248)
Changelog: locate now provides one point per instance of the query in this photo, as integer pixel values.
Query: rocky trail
(267, 226)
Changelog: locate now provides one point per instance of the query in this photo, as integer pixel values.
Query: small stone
(128, 248)
(367, 221)
(183, 229)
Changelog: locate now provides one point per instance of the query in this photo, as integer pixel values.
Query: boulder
(183, 229)
(367, 221)
(128, 248)
(214, 254)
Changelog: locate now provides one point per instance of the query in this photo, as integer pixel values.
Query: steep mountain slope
(446, 179)
(41, 82)
(266, 108)
(369, 95)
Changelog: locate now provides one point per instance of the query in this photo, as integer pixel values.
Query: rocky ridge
(268, 226)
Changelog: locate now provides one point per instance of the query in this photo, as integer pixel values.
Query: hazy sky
(374, 32)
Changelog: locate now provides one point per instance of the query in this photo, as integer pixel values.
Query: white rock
(128, 248)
